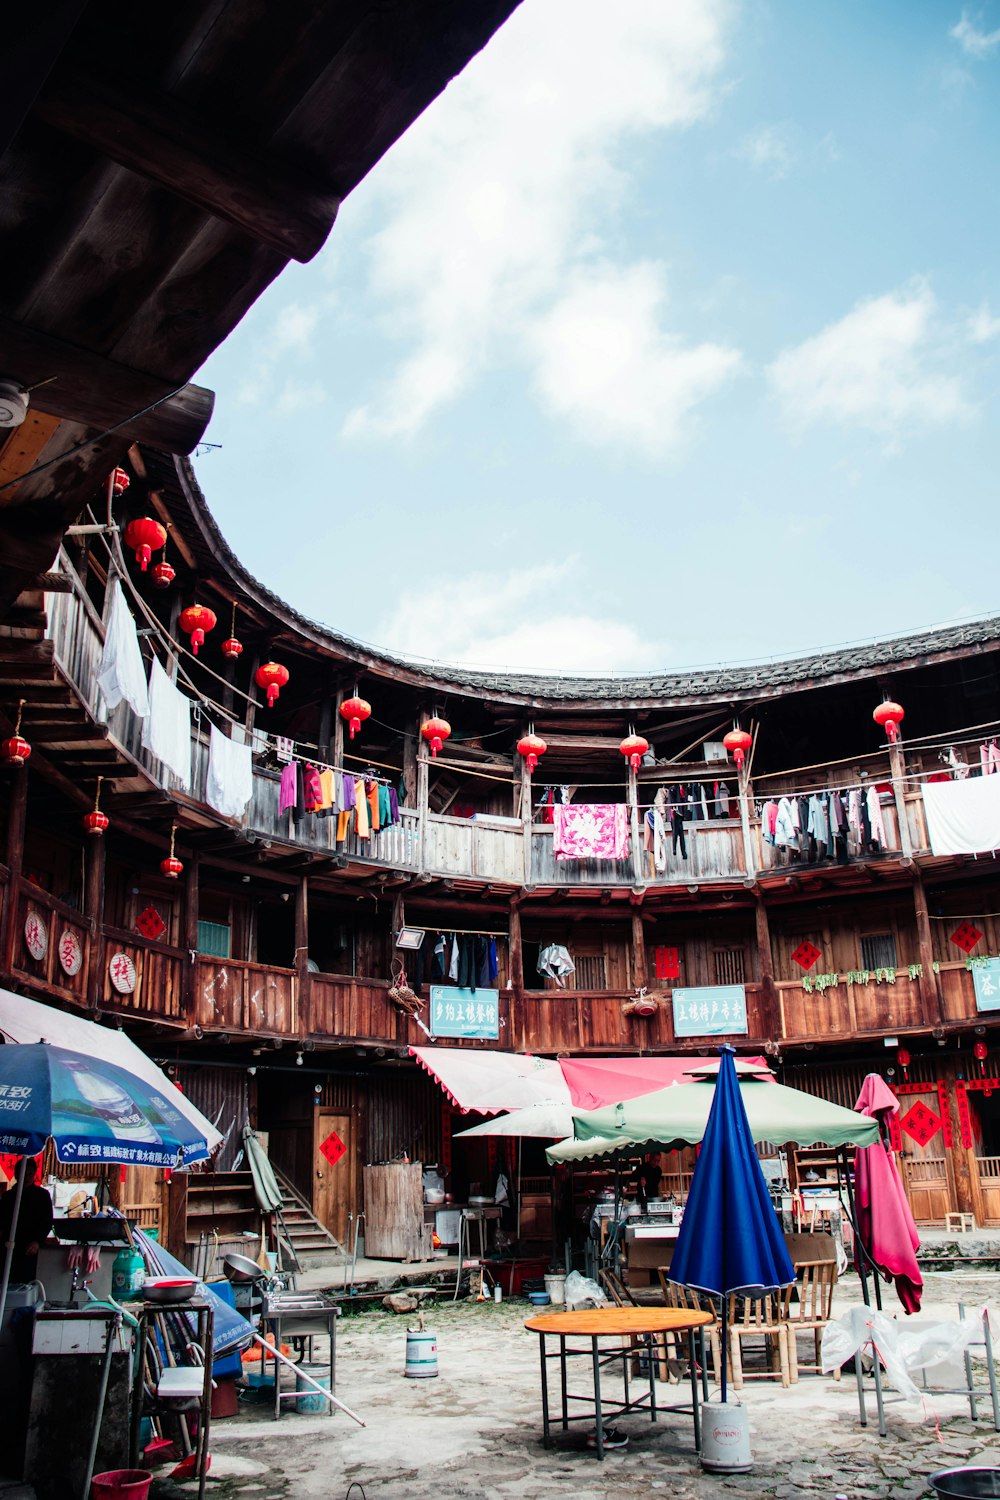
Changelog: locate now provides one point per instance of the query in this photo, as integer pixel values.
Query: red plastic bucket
(121, 1484)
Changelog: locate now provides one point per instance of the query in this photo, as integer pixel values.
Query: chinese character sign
(715, 1010)
(464, 1013)
(986, 978)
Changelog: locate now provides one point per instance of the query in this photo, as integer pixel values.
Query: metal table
(619, 1323)
(300, 1314)
(199, 1312)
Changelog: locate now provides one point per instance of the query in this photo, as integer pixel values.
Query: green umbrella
(677, 1116)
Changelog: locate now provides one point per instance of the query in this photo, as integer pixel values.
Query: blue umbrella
(730, 1239)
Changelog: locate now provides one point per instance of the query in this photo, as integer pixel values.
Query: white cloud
(877, 368)
(294, 326)
(296, 396)
(972, 39)
(505, 187)
(515, 622)
(768, 150)
(603, 362)
(983, 326)
(289, 333)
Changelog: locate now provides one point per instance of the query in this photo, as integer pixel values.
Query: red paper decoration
(738, 742)
(355, 710)
(806, 954)
(435, 732)
(332, 1148)
(966, 937)
(964, 1115)
(146, 536)
(16, 750)
(532, 747)
(272, 677)
(150, 924)
(920, 1123)
(666, 963)
(634, 747)
(889, 716)
(196, 621)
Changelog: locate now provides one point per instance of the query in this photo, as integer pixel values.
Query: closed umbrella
(730, 1239)
(885, 1228)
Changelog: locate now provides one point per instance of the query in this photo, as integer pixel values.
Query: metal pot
(241, 1270)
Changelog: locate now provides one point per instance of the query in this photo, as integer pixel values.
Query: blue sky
(669, 335)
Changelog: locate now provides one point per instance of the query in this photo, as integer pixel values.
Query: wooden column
(639, 873)
(423, 792)
(897, 769)
(326, 710)
(516, 961)
(930, 983)
(189, 934)
(17, 812)
(304, 977)
(745, 795)
(961, 1171)
(639, 971)
(251, 688)
(93, 906)
(337, 729)
(769, 993)
(410, 768)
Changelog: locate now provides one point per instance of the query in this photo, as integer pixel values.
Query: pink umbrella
(885, 1224)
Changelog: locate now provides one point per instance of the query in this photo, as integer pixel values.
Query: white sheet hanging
(121, 673)
(167, 731)
(963, 817)
(229, 785)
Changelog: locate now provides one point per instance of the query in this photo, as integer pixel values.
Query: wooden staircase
(312, 1242)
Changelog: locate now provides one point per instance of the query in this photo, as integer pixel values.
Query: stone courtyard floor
(476, 1429)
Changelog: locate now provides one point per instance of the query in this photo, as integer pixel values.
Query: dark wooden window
(729, 966)
(591, 973)
(878, 950)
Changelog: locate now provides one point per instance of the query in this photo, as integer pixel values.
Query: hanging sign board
(70, 952)
(474, 1014)
(986, 979)
(36, 934)
(714, 1010)
(121, 972)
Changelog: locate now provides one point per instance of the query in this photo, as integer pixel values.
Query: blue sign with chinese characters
(715, 1010)
(986, 978)
(473, 1014)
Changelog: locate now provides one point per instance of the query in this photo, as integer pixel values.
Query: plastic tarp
(905, 1349)
(678, 1116)
(24, 1020)
(231, 1331)
(487, 1082)
(265, 1184)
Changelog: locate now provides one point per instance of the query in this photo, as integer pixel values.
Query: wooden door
(334, 1170)
(924, 1168)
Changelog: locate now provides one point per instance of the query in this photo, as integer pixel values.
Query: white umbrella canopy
(485, 1082)
(29, 1021)
(550, 1120)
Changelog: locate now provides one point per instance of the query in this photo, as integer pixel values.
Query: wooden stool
(960, 1223)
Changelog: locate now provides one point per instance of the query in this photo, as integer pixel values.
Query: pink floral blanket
(590, 831)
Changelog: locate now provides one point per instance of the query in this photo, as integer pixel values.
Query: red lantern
(634, 747)
(272, 677)
(355, 710)
(163, 575)
(120, 482)
(196, 621)
(532, 747)
(903, 1058)
(980, 1051)
(171, 867)
(435, 732)
(737, 743)
(232, 648)
(96, 821)
(889, 716)
(146, 536)
(15, 751)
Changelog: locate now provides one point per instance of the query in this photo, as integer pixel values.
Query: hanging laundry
(453, 959)
(361, 808)
(722, 799)
(286, 791)
(371, 794)
(229, 784)
(785, 827)
(167, 732)
(384, 806)
(312, 789)
(554, 962)
(875, 817)
(284, 748)
(590, 831)
(963, 817)
(768, 821)
(326, 793)
(393, 805)
(654, 839)
(493, 964)
(121, 673)
(989, 758)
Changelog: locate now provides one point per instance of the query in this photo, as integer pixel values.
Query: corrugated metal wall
(400, 1111)
(221, 1094)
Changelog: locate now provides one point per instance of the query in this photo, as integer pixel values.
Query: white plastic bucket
(725, 1438)
(308, 1401)
(421, 1354)
(555, 1285)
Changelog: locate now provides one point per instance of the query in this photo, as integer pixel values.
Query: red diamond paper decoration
(806, 955)
(966, 937)
(333, 1148)
(921, 1123)
(667, 966)
(151, 924)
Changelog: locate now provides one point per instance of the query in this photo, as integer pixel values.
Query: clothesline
(459, 931)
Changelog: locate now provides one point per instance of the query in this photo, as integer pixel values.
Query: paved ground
(475, 1430)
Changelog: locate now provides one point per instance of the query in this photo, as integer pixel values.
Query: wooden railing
(63, 969)
(159, 992)
(231, 996)
(547, 870)
(852, 1009)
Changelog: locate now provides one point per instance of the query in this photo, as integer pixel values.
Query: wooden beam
(159, 138)
(21, 450)
(34, 37)
(101, 393)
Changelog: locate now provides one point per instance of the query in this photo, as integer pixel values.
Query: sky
(668, 336)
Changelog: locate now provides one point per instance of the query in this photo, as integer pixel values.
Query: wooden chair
(758, 1318)
(805, 1308)
(621, 1296)
(686, 1297)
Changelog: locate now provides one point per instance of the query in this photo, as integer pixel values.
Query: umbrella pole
(22, 1170)
(725, 1344)
(859, 1249)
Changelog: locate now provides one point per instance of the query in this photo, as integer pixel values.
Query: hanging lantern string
(173, 835)
(20, 709)
(97, 795)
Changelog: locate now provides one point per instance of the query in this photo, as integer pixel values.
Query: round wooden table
(594, 1324)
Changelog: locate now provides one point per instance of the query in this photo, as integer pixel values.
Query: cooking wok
(241, 1270)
